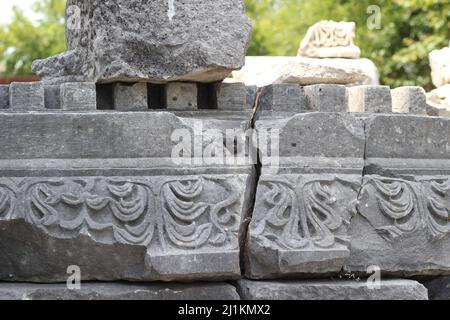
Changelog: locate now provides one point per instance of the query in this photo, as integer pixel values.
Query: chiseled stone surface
(331, 290)
(117, 204)
(130, 97)
(52, 97)
(119, 291)
(411, 100)
(151, 41)
(232, 96)
(402, 223)
(330, 39)
(370, 99)
(26, 96)
(326, 98)
(304, 203)
(181, 96)
(4, 96)
(78, 96)
(281, 100)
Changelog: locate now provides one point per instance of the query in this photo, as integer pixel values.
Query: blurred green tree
(22, 41)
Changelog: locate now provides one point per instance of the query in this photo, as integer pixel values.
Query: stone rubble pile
(114, 179)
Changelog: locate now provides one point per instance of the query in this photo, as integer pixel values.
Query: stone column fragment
(130, 97)
(370, 99)
(27, 96)
(78, 96)
(411, 100)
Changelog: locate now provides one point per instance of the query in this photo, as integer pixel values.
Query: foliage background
(410, 29)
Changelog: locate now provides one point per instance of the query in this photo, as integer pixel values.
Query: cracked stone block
(306, 196)
(121, 205)
(282, 100)
(26, 96)
(402, 224)
(119, 291)
(411, 100)
(52, 97)
(152, 41)
(391, 289)
(370, 99)
(326, 98)
(252, 93)
(232, 96)
(181, 96)
(130, 97)
(4, 96)
(78, 96)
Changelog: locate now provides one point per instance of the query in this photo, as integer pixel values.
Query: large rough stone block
(331, 290)
(326, 98)
(402, 224)
(119, 291)
(306, 197)
(26, 96)
(131, 97)
(121, 205)
(370, 99)
(151, 41)
(411, 100)
(4, 96)
(78, 96)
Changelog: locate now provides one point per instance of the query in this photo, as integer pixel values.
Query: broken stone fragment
(331, 290)
(153, 41)
(440, 66)
(330, 39)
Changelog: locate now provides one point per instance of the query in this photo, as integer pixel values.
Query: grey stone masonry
(181, 96)
(27, 96)
(412, 100)
(4, 96)
(402, 223)
(52, 97)
(331, 290)
(281, 100)
(370, 99)
(326, 98)
(119, 291)
(130, 97)
(232, 96)
(306, 196)
(78, 96)
(111, 193)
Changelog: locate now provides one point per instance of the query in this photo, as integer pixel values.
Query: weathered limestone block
(52, 97)
(330, 39)
(326, 98)
(402, 224)
(78, 96)
(151, 41)
(232, 96)
(4, 96)
(370, 99)
(440, 66)
(281, 100)
(119, 291)
(121, 205)
(130, 97)
(411, 100)
(306, 197)
(331, 290)
(26, 96)
(181, 96)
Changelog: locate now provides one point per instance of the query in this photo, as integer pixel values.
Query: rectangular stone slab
(101, 191)
(119, 291)
(402, 223)
(331, 290)
(304, 203)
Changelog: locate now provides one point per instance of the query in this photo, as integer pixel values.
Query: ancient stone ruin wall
(98, 189)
